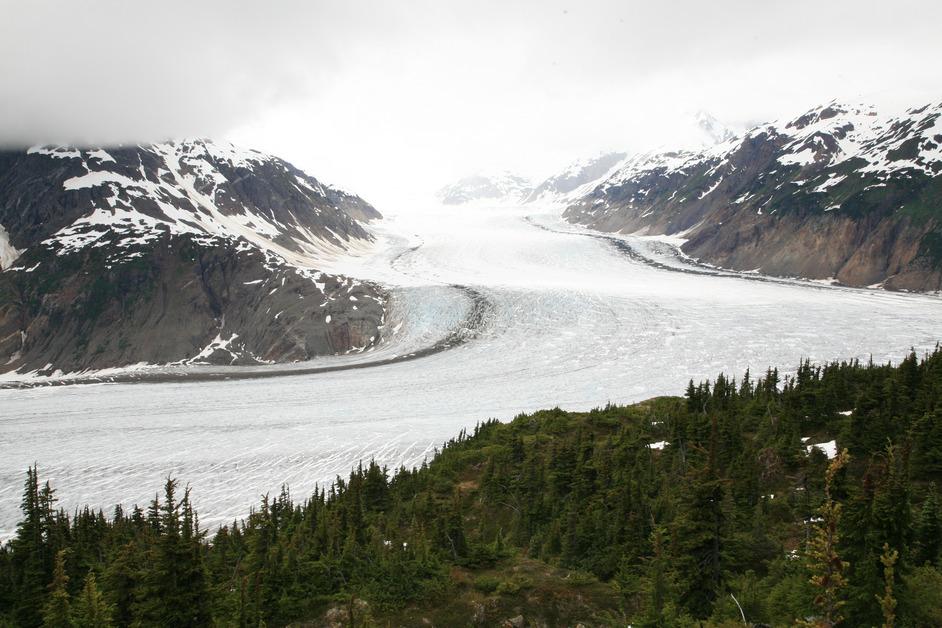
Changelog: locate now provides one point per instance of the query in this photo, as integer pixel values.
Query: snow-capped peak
(499, 187)
(714, 131)
(576, 179)
(201, 187)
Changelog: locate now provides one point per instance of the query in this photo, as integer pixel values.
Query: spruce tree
(172, 590)
(826, 566)
(927, 445)
(698, 536)
(658, 583)
(888, 600)
(91, 610)
(32, 556)
(56, 611)
(928, 538)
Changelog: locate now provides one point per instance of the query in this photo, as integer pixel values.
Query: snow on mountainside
(508, 189)
(201, 187)
(576, 180)
(503, 187)
(713, 131)
(839, 192)
(189, 251)
(8, 253)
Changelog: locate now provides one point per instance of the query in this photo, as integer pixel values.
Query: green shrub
(486, 584)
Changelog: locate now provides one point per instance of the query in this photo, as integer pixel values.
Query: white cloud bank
(390, 99)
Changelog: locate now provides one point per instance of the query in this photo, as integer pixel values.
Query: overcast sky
(393, 99)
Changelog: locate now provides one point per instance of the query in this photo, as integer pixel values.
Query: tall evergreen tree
(888, 599)
(827, 567)
(32, 554)
(91, 610)
(928, 536)
(698, 535)
(57, 611)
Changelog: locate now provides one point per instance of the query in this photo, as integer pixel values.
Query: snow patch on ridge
(59, 152)
(188, 196)
(8, 253)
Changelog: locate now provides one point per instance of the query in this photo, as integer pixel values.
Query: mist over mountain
(574, 180)
(500, 187)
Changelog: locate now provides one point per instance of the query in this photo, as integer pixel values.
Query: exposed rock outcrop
(182, 252)
(840, 192)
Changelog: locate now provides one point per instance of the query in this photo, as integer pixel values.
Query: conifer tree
(888, 600)
(56, 611)
(172, 590)
(927, 445)
(698, 536)
(91, 610)
(121, 580)
(827, 567)
(928, 541)
(32, 556)
(891, 512)
(657, 581)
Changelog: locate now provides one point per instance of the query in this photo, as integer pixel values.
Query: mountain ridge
(500, 187)
(838, 192)
(189, 251)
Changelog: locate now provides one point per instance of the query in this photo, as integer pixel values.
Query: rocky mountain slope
(576, 180)
(178, 252)
(839, 192)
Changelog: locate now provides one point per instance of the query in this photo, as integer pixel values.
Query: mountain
(839, 192)
(573, 182)
(189, 251)
(570, 184)
(503, 187)
(712, 130)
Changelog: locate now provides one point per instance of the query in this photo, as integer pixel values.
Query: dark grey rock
(791, 200)
(191, 266)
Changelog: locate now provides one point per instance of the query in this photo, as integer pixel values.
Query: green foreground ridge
(726, 507)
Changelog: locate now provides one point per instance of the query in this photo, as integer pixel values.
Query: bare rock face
(175, 253)
(352, 205)
(840, 192)
(575, 178)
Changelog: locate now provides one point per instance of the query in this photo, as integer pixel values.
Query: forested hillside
(810, 497)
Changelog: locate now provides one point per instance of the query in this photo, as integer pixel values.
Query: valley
(526, 312)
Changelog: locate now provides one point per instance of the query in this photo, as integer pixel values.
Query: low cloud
(110, 71)
(376, 95)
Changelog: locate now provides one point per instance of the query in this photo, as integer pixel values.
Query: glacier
(494, 311)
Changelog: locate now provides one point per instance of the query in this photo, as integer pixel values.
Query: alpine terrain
(573, 182)
(499, 187)
(193, 252)
(840, 192)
